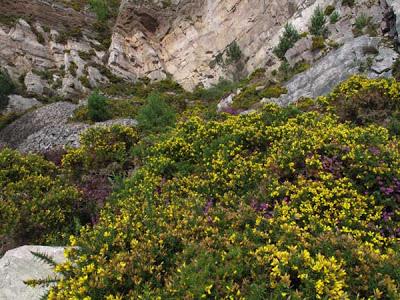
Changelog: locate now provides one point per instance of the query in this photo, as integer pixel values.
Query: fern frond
(45, 296)
(45, 258)
(40, 282)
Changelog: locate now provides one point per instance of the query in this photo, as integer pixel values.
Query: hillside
(200, 149)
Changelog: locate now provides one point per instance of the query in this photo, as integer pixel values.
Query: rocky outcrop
(50, 116)
(395, 6)
(48, 128)
(19, 265)
(18, 104)
(47, 65)
(190, 40)
(361, 55)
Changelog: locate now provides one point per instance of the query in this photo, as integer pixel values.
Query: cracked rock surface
(18, 265)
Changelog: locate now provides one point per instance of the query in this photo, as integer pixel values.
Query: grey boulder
(19, 264)
(18, 104)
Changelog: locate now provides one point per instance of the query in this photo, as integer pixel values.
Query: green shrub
(270, 205)
(363, 24)
(85, 81)
(318, 43)
(6, 88)
(362, 21)
(6, 119)
(101, 148)
(104, 9)
(97, 107)
(100, 7)
(216, 92)
(274, 91)
(289, 37)
(250, 95)
(156, 115)
(286, 72)
(364, 101)
(334, 17)
(318, 23)
(246, 98)
(36, 205)
(86, 55)
(233, 52)
(72, 68)
(72, 33)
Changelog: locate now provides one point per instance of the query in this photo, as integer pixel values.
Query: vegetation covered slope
(297, 202)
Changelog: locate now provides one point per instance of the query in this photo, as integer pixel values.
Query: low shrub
(275, 204)
(349, 3)
(216, 92)
(246, 98)
(6, 88)
(318, 43)
(334, 17)
(104, 9)
(287, 72)
(156, 115)
(274, 91)
(318, 23)
(97, 107)
(36, 205)
(72, 33)
(289, 37)
(101, 148)
(363, 24)
(329, 10)
(365, 101)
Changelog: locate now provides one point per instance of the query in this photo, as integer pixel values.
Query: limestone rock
(383, 62)
(186, 39)
(395, 5)
(18, 265)
(18, 104)
(225, 103)
(300, 51)
(337, 66)
(34, 84)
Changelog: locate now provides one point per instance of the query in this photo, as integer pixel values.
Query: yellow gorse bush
(276, 204)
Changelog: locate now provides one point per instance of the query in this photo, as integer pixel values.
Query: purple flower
(375, 151)
(208, 206)
(387, 191)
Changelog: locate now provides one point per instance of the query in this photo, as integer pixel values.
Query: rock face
(361, 55)
(18, 104)
(48, 65)
(190, 40)
(395, 5)
(18, 265)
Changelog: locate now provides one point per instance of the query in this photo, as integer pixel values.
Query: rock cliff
(190, 40)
